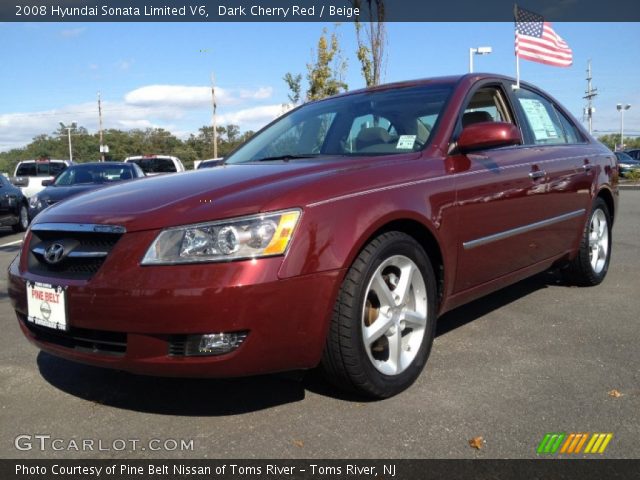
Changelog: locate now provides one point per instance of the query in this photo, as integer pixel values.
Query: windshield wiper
(286, 157)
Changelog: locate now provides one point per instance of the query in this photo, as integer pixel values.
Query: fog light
(218, 343)
(207, 344)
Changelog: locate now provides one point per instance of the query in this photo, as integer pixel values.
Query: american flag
(536, 40)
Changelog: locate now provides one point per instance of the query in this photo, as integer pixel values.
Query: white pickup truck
(29, 174)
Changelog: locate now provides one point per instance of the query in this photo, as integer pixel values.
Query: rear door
(500, 198)
(558, 149)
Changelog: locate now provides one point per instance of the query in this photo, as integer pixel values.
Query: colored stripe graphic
(572, 443)
(551, 442)
(598, 443)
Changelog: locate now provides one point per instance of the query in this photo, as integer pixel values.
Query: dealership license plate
(46, 305)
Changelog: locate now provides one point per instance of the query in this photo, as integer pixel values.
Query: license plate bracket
(47, 305)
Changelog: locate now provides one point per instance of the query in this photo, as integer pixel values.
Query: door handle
(536, 174)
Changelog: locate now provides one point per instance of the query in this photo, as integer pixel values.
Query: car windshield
(84, 174)
(155, 165)
(623, 157)
(382, 122)
(40, 169)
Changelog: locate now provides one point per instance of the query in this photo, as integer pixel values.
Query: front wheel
(592, 262)
(23, 220)
(383, 321)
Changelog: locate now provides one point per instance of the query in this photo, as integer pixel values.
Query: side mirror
(483, 135)
(46, 183)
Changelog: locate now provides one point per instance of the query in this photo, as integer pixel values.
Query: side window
(547, 125)
(572, 134)
(487, 105)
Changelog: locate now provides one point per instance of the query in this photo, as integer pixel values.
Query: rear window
(155, 165)
(40, 169)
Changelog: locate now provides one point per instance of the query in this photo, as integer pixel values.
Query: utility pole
(100, 122)
(213, 118)
(590, 94)
(72, 127)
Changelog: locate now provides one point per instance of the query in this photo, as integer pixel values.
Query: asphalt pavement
(534, 358)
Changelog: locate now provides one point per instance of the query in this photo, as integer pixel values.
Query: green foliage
(613, 139)
(124, 144)
(295, 87)
(325, 75)
(633, 176)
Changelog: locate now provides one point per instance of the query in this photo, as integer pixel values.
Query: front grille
(85, 252)
(81, 339)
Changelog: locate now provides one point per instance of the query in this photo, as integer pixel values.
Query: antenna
(100, 122)
(213, 118)
(590, 94)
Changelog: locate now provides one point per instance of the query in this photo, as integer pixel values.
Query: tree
(325, 75)
(372, 41)
(613, 139)
(295, 87)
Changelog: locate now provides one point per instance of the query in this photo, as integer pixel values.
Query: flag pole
(515, 17)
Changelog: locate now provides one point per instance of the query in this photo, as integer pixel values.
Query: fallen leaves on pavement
(615, 393)
(476, 442)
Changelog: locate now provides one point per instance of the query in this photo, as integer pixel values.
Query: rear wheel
(23, 220)
(592, 263)
(384, 319)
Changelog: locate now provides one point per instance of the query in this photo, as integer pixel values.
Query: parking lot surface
(534, 358)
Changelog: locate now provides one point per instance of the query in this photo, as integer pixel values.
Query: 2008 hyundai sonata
(336, 236)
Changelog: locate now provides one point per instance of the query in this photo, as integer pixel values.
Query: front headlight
(34, 202)
(246, 237)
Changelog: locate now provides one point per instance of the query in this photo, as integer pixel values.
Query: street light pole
(72, 127)
(477, 51)
(621, 108)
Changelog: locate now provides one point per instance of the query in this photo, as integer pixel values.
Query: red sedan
(336, 236)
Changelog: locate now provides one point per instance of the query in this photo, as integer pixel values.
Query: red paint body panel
(286, 302)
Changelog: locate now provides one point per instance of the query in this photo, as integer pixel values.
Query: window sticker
(539, 119)
(406, 142)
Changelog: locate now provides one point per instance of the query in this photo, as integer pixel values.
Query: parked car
(626, 164)
(29, 174)
(209, 163)
(157, 164)
(80, 178)
(336, 236)
(635, 154)
(13, 206)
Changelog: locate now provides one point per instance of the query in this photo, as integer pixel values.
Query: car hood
(208, 194)
(55, 194)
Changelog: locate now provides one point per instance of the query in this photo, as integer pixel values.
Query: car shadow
(223, 397)
(478, 308)
(169, 396)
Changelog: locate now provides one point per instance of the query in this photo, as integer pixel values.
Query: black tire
(346, 361)
(581, 270)
(23, 219)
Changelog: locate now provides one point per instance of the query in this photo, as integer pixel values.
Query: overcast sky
(158, 74)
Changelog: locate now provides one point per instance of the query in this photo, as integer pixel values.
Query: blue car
(80, 178)
(626, 164)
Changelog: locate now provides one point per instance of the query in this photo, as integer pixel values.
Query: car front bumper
(147, 308)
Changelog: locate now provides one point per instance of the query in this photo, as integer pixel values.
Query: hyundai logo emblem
(54, 253)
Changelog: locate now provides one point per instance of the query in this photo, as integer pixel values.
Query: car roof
(44, 160)
(119, 164)
(443, 80)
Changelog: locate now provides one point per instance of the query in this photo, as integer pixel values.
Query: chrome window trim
(77, 227)
(523, 229)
